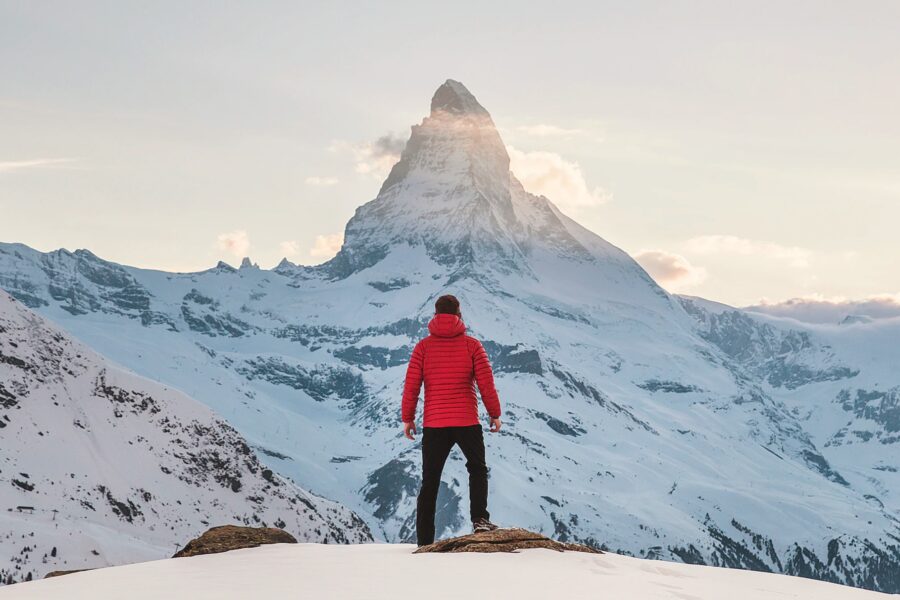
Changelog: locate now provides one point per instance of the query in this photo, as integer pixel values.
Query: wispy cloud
(544, 130)
(323, 248)
(289, 249)
(236, 243)
(821, 309)
(372, 158)
(9, 166)
(321, 181)
(793, 256)
(326, 246)
(672, 271)
(549, 174)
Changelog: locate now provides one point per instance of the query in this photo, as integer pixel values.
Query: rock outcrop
(502, 540)
(61, 573)
(233, 537)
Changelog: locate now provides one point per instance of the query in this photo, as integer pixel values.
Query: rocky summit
(502, 540)
(667, 427)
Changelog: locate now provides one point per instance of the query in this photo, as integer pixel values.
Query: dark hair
(447, 305)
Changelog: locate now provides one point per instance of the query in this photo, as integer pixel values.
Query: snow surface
(391, 571)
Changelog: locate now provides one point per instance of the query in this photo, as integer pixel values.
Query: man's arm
(484, 377)
(411, 388)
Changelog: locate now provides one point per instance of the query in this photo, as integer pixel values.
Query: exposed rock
(502, 540)
(233, 537)
(61, 573)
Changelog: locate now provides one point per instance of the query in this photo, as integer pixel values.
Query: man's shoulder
(472, 342)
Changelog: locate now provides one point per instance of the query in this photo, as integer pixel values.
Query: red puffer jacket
(450, 363)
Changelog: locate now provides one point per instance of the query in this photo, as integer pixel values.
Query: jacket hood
(446, 326)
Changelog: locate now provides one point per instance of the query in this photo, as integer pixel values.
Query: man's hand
(409, 430)
(495, 425)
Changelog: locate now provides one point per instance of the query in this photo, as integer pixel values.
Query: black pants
(437, 442)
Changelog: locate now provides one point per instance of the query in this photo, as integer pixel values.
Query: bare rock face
(502, 540)
(233, 537)
(61, 573)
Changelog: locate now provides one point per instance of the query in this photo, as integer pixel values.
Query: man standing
(450, 363)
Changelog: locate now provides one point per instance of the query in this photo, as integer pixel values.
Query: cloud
(549, 174)
(389, 145)
(234, 242)
(821, 309)
(706, 245)
(8, 166)
(323, 248)
(326, 246)
(672, 271)
(544, 130)
(321, 181)
(289, 248)
(373, 158)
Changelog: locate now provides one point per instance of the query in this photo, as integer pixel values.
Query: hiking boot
(481, 525)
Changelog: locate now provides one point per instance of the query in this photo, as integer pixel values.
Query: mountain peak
(456, 141)
(453, 97)
(223, 266)
(452, 193)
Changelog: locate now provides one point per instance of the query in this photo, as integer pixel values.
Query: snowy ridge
(660, 426)
(101, 467)
(370, 572)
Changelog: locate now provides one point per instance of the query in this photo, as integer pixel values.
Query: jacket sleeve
(484, 377)
(413, 384)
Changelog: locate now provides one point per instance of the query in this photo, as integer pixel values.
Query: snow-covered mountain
(102, 467)
(663, 426)
(279, 570)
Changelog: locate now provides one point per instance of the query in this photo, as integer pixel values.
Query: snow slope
(386, 571)
(115, 468)
(661, 426)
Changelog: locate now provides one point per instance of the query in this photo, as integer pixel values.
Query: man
(450, 363)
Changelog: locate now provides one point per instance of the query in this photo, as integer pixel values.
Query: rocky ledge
(502, 540)
(232, 537)
(61, 573)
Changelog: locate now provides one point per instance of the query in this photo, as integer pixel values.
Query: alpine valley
(651, 424)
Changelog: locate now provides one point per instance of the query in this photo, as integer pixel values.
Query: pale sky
(743, 151)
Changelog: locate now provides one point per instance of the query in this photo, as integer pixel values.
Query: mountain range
(103, 467)
(652, 424)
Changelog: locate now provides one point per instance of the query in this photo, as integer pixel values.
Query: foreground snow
(376, 571)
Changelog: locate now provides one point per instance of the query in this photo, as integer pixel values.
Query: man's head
(447, 305)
